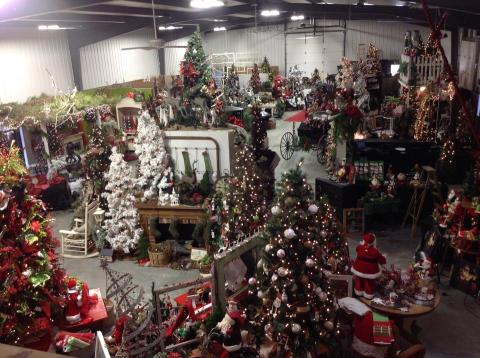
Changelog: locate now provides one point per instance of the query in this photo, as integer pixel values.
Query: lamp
(98, 215)
(206, 4)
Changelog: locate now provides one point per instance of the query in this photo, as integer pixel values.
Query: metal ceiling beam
(21, 9)
(469, 6)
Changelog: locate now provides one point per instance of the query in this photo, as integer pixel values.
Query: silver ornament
(309, 263)
(281, 253)
(268, 247)
(282, 271)
(289, 233)
(313, 209)
(276, 210)
(284, 297)
(274, 277)
(296, 328)
(260, 294)
(252, 281)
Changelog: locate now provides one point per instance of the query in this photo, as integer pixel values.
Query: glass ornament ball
(296, 328)
(289, 233)
(313, 209)
(252, 281)
(274, 278)
(276, 210)
(328, 326)
(309, 263)
(323, 234)
(268, 247)
(260, 294)
(281, 253)
(282, 271)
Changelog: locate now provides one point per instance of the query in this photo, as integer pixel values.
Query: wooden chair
(79, 241)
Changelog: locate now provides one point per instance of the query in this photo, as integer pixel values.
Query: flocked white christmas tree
(152, 157)
(122, 222)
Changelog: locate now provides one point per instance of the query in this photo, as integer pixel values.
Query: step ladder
(428, 182)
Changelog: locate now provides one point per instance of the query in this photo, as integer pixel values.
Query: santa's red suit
(74, 302)
(366, 267)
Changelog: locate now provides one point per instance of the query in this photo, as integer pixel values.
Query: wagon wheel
(287, 145)
(321, 149)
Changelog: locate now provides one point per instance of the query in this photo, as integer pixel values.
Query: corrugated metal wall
(267, 41)
(25, 57)
(323, 51)
(104, 63)
(173, 56)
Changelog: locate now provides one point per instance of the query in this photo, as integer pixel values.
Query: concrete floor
(450, 331)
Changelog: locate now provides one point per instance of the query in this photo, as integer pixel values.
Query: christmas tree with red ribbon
(32, 281)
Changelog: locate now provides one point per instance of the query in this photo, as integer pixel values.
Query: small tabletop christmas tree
(255, 82)
(32, 281)
(152, 156)
(297, 304)
(121, 225)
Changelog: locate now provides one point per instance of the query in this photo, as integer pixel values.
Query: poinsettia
(35, 226)
(352, 111)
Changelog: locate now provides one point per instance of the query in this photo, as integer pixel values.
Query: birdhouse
(174, 199)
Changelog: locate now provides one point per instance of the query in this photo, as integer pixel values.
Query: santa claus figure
(78, 302)
(366, 266)
(230, 329)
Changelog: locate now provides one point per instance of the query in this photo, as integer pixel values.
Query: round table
(404, 320)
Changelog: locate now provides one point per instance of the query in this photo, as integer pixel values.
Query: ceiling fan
(155, 43)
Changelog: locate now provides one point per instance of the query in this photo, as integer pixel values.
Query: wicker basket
(159, 254)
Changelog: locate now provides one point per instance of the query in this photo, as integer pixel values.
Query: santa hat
(369, 239)
(72, 285)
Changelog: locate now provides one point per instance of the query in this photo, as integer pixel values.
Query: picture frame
(465, 277)
(342, 285)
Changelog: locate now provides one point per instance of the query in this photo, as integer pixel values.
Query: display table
(403, 319)
(341, 195)
(185, 214)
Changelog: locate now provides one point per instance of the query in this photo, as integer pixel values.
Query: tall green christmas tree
(194, 68)
(32, 281)
(244, 204)
(295, 298)
(231, 88)
(255, 82)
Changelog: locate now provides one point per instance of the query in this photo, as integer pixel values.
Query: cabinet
(340, 195)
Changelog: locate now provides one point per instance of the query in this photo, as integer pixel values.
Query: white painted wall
(25, 57)
(104, 63)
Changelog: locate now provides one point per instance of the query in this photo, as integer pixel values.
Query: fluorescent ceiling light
(206, 4)
(305, 38)
(219, 20)
(169, 28)
(3, 2)
(49, 27)
(297, 17)
(219, 28)
(269, 13)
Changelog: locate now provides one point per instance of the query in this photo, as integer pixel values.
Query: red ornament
(131, 95)
(352, 111)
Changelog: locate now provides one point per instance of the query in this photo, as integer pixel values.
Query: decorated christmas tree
(97, 158)
(194, 68)
(255, 82)
(121, 225)
(32, 281)
(244, 204)
(296, 301)
(231, 88)
(152, 156)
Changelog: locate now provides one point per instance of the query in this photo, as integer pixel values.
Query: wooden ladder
(420, 193)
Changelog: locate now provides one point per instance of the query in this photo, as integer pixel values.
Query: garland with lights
(32, 281)
(296, 303)
(424, 127)
(121, 223)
